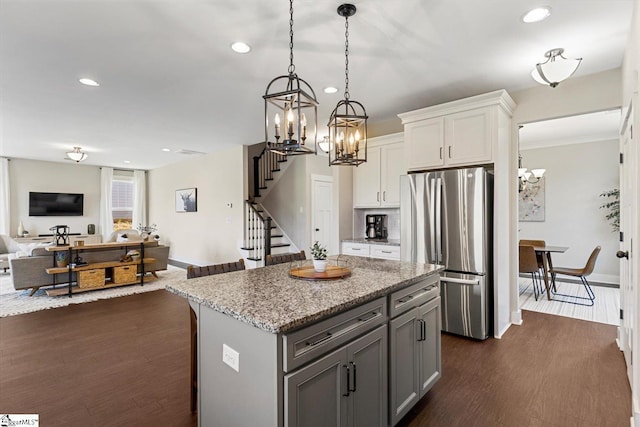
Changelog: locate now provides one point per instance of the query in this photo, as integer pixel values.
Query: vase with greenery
(613, 206)
(319, 255)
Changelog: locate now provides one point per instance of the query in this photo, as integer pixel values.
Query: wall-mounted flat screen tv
(56, 204)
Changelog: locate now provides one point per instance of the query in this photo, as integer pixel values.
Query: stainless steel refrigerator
(446, 218)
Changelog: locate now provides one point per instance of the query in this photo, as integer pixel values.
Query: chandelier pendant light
(348, 120)
(291, 103)
(524, 176)
(76, 155)
(555, 69)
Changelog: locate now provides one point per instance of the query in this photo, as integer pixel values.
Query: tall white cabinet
(376, 183)
(459, 133)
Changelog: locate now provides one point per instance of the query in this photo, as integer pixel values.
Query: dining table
(547, 264)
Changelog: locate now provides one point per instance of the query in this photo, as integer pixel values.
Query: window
(122, 202)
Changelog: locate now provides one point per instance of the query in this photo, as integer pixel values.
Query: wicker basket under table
(91, 278)
(125, 274)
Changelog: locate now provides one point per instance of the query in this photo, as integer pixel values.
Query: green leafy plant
(613, 206)
(318, 251)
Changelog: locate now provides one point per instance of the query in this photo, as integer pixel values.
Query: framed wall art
(531, 202)
(187, 200)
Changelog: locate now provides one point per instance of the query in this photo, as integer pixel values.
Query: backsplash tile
(393, 222)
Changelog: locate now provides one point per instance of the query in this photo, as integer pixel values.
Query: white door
(628, 199)
(322, 211)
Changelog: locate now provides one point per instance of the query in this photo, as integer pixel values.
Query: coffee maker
(376, 227)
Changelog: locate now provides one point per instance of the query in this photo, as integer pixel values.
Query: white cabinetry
(377, 182)
(371, 250)
(458, 133)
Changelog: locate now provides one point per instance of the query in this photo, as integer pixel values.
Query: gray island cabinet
(278, 351)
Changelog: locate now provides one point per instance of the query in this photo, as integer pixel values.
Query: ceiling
(170, 80)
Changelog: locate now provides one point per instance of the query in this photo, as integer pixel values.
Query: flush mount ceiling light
(555, 69)
(330, 89)
(536, 15)
(76, 155)
(241, 47)
(292, 97)
(348, 121)
(89, 82)
(325, 145)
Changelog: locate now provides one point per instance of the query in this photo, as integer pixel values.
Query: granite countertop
(269, 299)
(388, 242)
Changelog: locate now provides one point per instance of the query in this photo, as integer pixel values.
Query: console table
(95, 274)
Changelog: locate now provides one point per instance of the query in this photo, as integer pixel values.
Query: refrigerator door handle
(460, 281)
(438, 220)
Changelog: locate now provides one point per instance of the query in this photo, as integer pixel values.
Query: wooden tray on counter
(308, 273)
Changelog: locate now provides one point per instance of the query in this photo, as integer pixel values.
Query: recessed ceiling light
(127, 161)
(241, 47)
(536, 15)
(330, 89)
(166, 149)
(89, 82)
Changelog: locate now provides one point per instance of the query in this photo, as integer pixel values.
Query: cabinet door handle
(369, 317)
(449, 151)
(348, 386)
(378, 196)
(440, 153)
(424, 330)
(421, 335)
(354, 376)
(386, 252)
(384, 196)
(355, 249)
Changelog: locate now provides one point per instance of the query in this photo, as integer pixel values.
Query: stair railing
(263, 167)
(257, 239)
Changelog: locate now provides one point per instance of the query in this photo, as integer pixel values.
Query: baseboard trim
(177, 263)
(502, 332)
(516, 317)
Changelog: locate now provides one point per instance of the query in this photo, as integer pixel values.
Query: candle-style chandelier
(291, 103)
(348, 121)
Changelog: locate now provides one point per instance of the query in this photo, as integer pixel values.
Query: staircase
(262, 235)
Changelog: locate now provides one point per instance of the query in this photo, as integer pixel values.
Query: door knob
(622, 254)
(317, 229)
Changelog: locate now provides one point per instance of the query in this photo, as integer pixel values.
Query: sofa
(29, 271)
(7, 246)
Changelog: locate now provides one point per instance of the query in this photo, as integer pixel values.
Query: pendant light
(555, 69)
(291, 103)
(524, 176)
(348, 121)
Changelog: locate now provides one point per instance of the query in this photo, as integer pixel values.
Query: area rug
(14, 302)
(606, 308)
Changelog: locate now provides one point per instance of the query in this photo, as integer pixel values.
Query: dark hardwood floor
(125, 361)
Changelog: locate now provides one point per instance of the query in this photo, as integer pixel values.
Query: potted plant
(613, 206)
(319, 254)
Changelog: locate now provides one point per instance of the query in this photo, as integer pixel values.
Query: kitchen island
(279, 351)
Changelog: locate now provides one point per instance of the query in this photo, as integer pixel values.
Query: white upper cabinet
(376, 183)
(458, 133)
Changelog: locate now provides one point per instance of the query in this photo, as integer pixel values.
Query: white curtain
(106, 214)
(5, 210)
(139, 199)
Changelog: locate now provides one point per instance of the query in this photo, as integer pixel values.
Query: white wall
(289, 201)
(576, 175)
(71, 177)
(214, 233)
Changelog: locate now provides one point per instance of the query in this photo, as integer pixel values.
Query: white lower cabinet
(371, 250)
(347, 387)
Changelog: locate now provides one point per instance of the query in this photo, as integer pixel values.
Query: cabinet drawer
(357, 249)
(385, 251)
(414, 295)
(306, 344)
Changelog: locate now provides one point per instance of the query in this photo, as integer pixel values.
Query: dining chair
(528, 263)
(193, 272)
(208, 270)
(539, 255)
(282, 258)
(582, 273)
